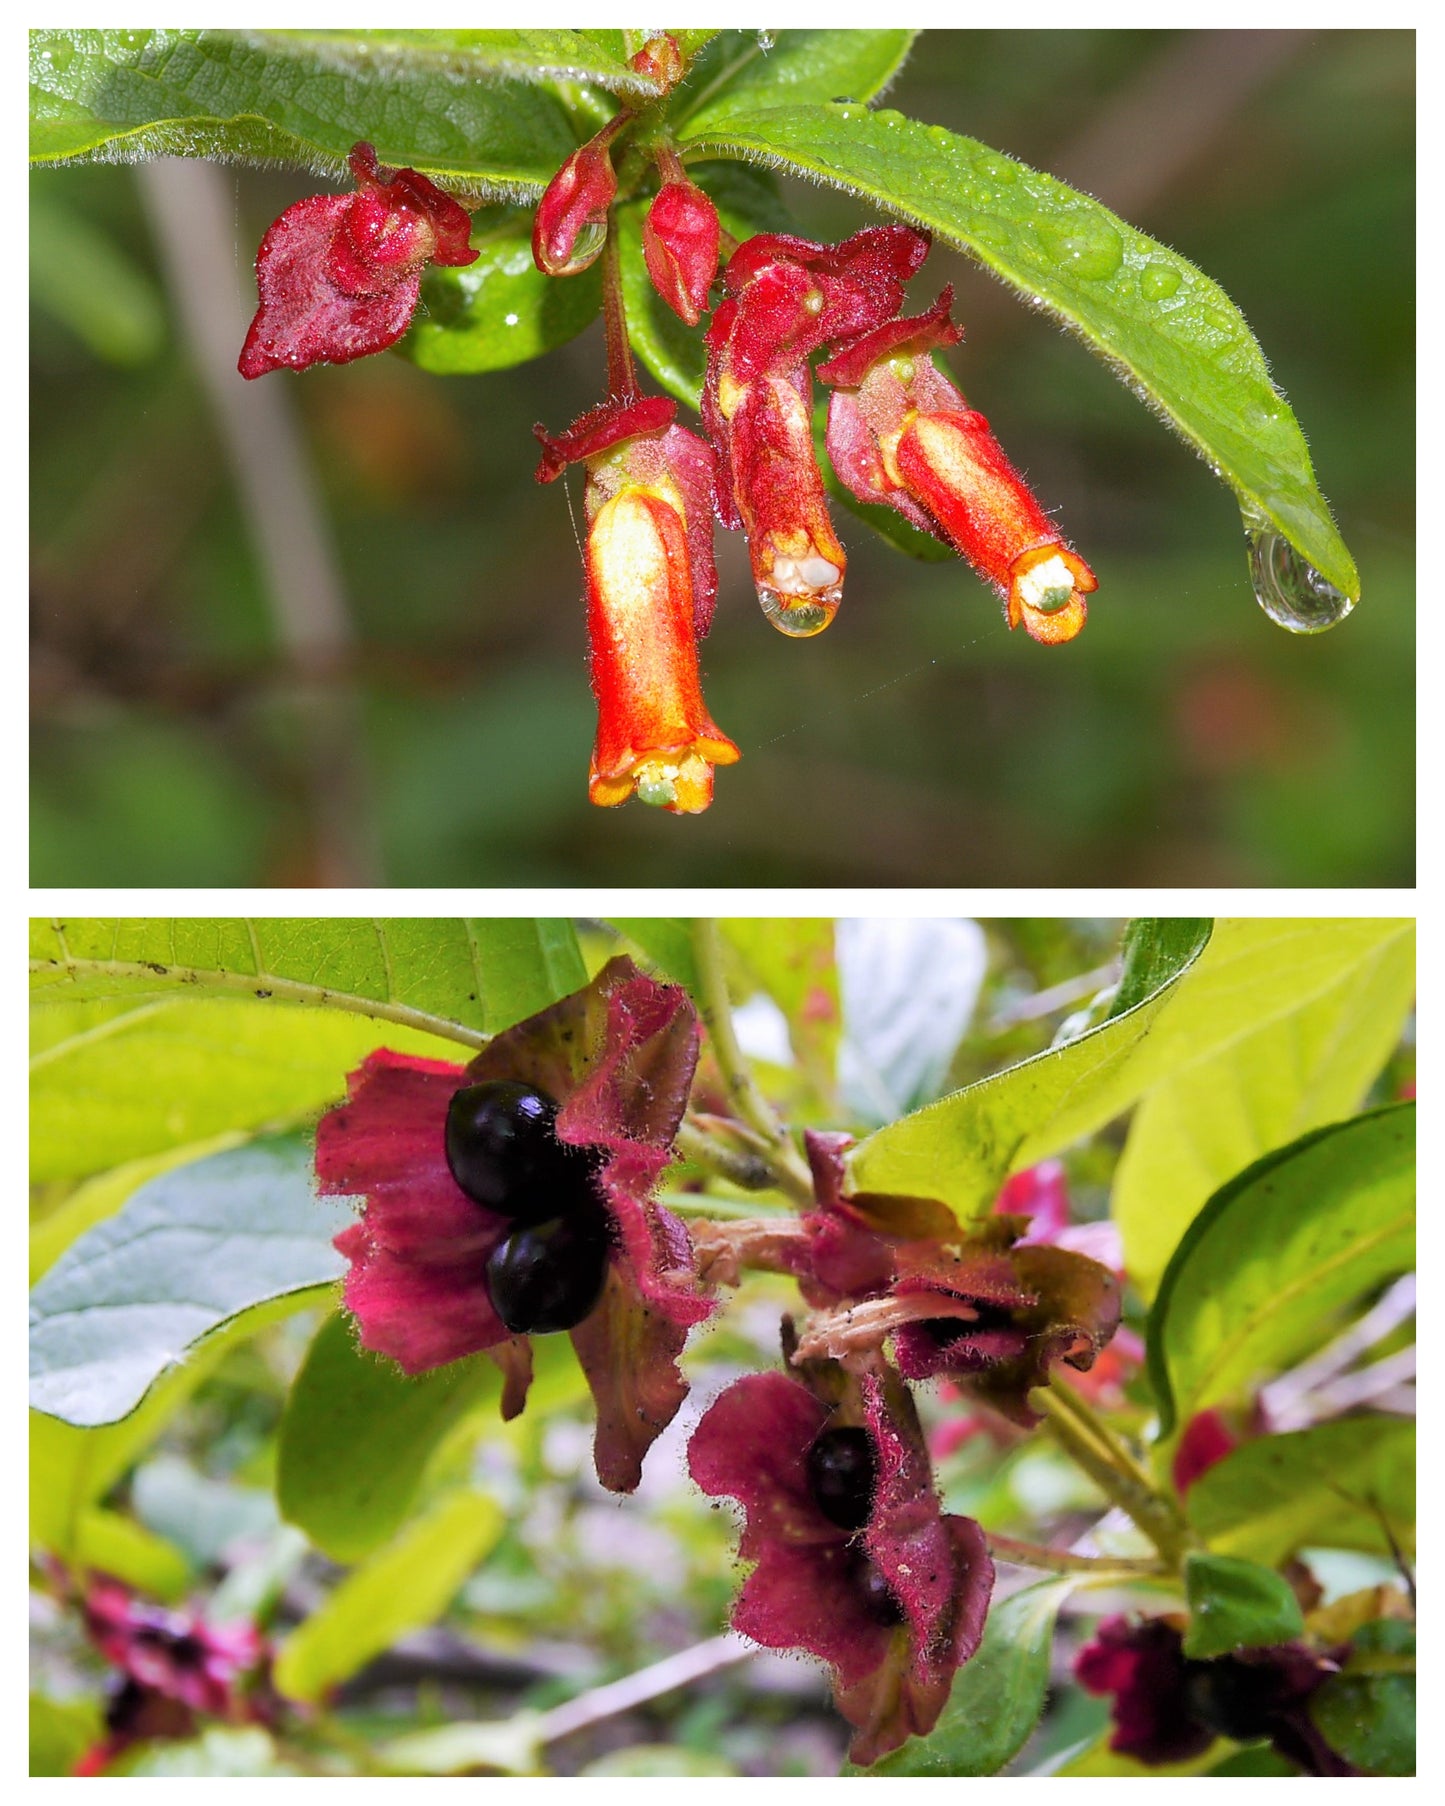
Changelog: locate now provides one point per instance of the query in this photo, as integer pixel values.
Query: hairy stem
(1063, 1561)
(739, 1166)
(788, 1169)
(621, 374)
(1094, 1447)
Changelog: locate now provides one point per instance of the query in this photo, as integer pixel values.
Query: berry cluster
(339, 277)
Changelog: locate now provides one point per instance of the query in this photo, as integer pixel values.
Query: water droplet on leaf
(1084, 247)
(766, 40)
(1158, 281)
(1291, 591)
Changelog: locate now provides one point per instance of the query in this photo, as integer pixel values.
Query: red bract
(899, 432)
(1206, 1440)
(786, 298)
(571, 224)
(680, 238)
(617, 1057)
(651, 584)
(339, 275)
(894, 1607)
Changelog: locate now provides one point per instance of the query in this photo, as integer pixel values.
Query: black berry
(502, 1148)
(879, 1600)
(1236, 1699)
(548, 1276)
(842, 1473)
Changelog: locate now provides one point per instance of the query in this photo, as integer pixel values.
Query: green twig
(1094, 1447)
(1063, 1561)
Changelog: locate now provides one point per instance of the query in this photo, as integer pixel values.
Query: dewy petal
(628, 1350)
(571, 224)
(600, 430)
(680, 238)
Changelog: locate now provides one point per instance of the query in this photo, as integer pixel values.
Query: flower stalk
(1099, 1452)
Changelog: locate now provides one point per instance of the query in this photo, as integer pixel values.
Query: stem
(1061, 1561)
(792, 1176)
(650, 1683)
(1094, 1447)
(669, 164)
(621, 375)
(752, 1171)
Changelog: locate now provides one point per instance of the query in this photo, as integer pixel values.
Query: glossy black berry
(502, 1148)
(842, 1473)
(1236, 1699)
(548, 1276)
(879, 1600)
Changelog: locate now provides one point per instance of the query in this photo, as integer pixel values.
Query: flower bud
(571, 224)
(680, 240)
(661, 59)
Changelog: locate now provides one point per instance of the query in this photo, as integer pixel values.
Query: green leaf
(117, 1545)
(218, 1753)
(407, 1585)
(666, 942)
(1275, 1253)
(102, 1197)
(185, 1069)
(357, 1435)
(60, 1732)
(291, 98)
(1308, 1066)
(961, 1148)
(1369, 1716)
(1236, 1604)
(187, 1252)
(500, 310)
(480, 56)
(463, 979)
(997, 1696)
(1326, 1486)
(1169, 332)
(737, 75)
(1155, 947)
(81, 277)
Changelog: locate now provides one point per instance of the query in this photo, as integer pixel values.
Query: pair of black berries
(842, 1469)
(502, 1148)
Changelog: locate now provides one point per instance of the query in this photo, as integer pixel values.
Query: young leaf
(1274, 1253)
(961, 1148)
(1173, 335)
(188, 1251)
(738, 75)
(463, 979)
(1336, 1485)
(1309, 1065)
(1236, 1604)
(500, 310)
(407, 1585)
(273, 97)
(183, 1069)
(665, 942)
(997, 1696)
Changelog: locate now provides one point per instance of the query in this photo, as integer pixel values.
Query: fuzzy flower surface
(617, 1058)
(339, 275)
(894, 1606)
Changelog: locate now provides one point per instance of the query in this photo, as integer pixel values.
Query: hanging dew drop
(766, 40)
(1290, 591)
(799, 617)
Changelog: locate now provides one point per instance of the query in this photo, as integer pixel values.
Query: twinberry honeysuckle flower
(680, 239)
(651, 585)
(339, 275)
(786, 298)
(899, 432)
(856, 1562)
(570, 227)
(616, 1059)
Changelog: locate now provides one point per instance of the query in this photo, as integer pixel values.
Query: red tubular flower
(339, 275)
(899, 432)
(616, 1059)
(1169, 1708)
(680, 239)
(856, 1561)
(787, 297)
(177, 1668)
(651, 584)
(571, 224)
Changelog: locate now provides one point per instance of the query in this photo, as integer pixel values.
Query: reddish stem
(621, 375)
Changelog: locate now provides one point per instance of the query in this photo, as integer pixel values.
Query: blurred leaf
(1256, 1759)
(1369, 1717)
(220, 1752)
(1236, 1604)
(479, 975)
(909, 986)
(1275, 1252)
(187, 1252)
(649, 1759)
(1099, 1759)
(1173, 335)
(60, 1733)
(290, 98)
(997, 1696)
(1309, 1066)
(1326, 1485)
(81, 277)
(793, 961)
(666, 941)
(202, 1516)
(114, 1544)
(508, 1744)
(358, 1433)
(500, 310)
(407, 1585)
(738, 75)
(961, 1148)
(184, 1069)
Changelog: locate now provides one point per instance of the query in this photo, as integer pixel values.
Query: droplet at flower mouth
(449, 1260)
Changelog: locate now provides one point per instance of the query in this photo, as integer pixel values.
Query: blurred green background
(1183, 739)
